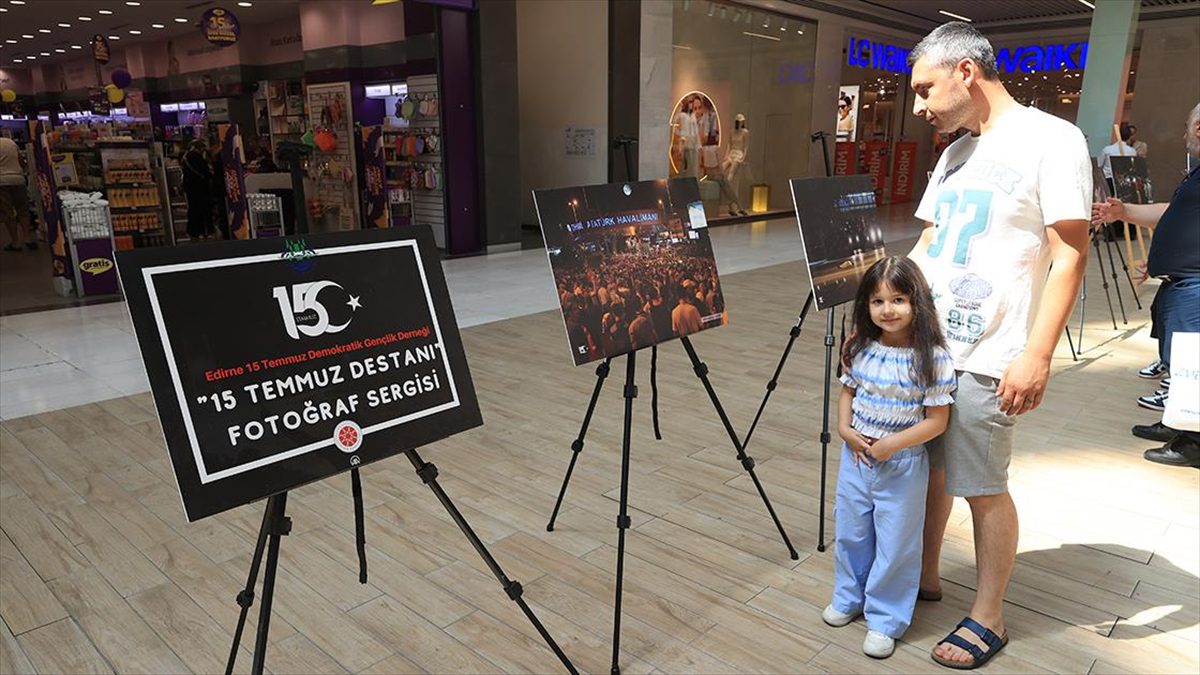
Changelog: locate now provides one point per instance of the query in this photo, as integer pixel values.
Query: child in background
(897, 389)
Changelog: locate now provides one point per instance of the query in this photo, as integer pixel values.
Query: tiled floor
(67, 357)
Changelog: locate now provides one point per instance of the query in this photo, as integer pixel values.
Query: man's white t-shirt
(991, 198)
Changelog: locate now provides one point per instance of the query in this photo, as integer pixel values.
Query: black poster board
(278, 362)
(632, 263)
(1131, 179)
(841, 232)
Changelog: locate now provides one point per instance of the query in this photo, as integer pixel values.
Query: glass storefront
(742, 88)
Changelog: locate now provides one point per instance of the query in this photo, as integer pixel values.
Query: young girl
(896, 394)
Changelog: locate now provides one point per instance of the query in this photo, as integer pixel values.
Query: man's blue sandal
(994, 644)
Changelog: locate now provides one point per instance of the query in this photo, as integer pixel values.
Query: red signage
(904, 169)
(876, 156)
(845, 154)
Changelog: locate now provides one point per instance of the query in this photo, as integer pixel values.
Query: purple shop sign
(220, 26)
(97, 271)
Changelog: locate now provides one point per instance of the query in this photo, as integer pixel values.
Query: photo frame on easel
(1131, 184)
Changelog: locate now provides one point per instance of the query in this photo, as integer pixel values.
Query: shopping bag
(1183, 405)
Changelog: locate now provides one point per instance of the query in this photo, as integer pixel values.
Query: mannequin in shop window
(735, 157)
(686, 142)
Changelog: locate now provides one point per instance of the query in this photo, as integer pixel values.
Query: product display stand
(787, 350)
(623, 520)
(277, 524)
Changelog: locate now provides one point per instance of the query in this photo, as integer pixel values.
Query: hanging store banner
(278, 362)
(220, 27)
(845, 158)
(375, 202)
(233, 160)
(904, 170)
(60, 260)
(100, 51)
(875, 154)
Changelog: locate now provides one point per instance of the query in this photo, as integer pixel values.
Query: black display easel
(277, 524)
(629, 393)
(1096, 234)
(787, 350)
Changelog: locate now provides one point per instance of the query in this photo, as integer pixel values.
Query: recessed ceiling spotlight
(16, 2)
(11, 42)
(104, 11)
(76, 47)
(60, 50)
(179, 20)
(245, 4)
(3, 9)
(31, 58)
(27, 36)
(84, 18)
(44, 30)
(157, 25)
(114, 37)
(18, 61)
(135, 32)
(64, 25)
(132, 3)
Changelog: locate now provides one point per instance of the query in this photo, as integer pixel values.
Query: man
(1175, 259)
(14, 201)
(1004, 250)
(685, 320)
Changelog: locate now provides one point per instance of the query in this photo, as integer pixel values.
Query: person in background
(198, 186)
(1122, 148)
(1139, 147)
(1175, 259)
(14, 200)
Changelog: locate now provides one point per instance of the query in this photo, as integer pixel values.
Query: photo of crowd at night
(841, 233)
(1131, 180)
(632, 264)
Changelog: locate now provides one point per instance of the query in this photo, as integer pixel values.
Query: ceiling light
(44, 30)
(766, 20)
(76, 47)
(179, 20)
(64, 25)
(3, 9)
(11, 42)
(760, 35)
(27, 36)
(61, 50)
(45, 53)
(84, 18)
(1090, 5)
(18, 61)
(114, 37)
(783, 28)
(132, 3)
(16, 2)
(157, 25)
(245, 4)
(31, 58)
(954, 16)
(135, 32)
(104, 11)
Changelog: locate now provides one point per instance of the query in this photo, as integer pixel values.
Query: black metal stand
(1071, 344)
(1104, 282)
(623, 521)
(1125, 268)
(577, 445)
(746, 461)
(1116, 284)
(275, 524)
(429, 473)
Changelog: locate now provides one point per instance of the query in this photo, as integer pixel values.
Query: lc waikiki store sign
(1023, 59)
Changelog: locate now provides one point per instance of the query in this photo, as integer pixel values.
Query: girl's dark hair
(905, 277)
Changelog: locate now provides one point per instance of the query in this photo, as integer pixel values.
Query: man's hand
(1107, 212)
(1023, 384)
(858, 445)
(1141, 273)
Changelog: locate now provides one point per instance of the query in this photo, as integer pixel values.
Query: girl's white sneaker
(837, 619)
(878, 646)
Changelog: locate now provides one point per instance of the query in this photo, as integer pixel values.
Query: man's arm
(1024, 382)
(922, 246)
(1146, 215)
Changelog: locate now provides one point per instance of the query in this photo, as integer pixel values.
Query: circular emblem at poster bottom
(347, 436)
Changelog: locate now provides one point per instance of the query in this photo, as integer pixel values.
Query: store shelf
(135, 209)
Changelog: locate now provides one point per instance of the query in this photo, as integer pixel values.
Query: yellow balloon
(116, 95)
(8, 95)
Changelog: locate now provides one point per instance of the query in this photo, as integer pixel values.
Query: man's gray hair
(952, 42)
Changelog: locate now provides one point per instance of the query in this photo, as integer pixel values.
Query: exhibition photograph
(580, 336)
